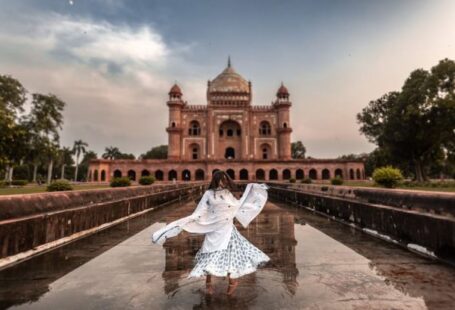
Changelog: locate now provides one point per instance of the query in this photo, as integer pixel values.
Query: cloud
(114, 78)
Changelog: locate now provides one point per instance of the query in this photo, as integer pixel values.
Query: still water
(315, 264)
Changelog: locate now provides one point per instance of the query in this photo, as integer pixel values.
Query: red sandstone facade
(248, 141)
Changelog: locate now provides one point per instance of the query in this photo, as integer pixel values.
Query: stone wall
(415, 219)
(34, 220)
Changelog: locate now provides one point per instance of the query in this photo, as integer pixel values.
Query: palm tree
(78, 149)
(111, 152)
(65, 159)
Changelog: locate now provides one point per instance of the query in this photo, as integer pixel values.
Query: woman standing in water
(224, 252)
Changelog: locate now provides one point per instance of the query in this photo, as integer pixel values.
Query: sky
(114, 61)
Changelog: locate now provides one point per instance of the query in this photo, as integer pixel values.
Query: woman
(224, 252)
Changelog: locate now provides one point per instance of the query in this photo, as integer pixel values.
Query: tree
(78, 149)
(157, 152)
(114, 153)
(414, 124)
(13, 134)
(44, 121)
(111, 152)
(65, 158)
(298, 150)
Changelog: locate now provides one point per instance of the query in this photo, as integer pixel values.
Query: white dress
(224, 249)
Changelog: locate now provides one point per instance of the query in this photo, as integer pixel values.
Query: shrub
(59, 185)
(2, 183)
(120, 182)
(387, 176)
(147, 180)
(336, 180)
(292, 180)
(19, 182)
(306, 181)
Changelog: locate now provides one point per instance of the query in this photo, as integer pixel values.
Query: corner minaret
(175, 128)
(282, 104)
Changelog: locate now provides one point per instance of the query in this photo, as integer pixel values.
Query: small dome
(282, 92)
(229, 81)
(175, 91)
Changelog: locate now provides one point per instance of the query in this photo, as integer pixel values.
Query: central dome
(229, 81)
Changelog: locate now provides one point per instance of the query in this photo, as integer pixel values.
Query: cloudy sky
(113, 61)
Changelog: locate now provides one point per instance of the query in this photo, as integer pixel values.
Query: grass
(31, 189)
(434, 188)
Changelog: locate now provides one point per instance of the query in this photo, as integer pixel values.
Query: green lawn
(30, 189)
(417, 188)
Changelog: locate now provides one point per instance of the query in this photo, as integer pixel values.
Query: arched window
(299, 175)
(145, 173)
(351, 174)
(117, 174)
(285, 125)
(266, 151)
(90, 176)
(273, 174)
(358, 174)
(286, 174)
(313, 174)
(172, 175)
(229, 153)
(243, 174)
(194, 151)
(95, 175)
(231, 173)
(186, 175)
(230, 128)
(195, 129)
(103, 175)
(339, 173)
(159, 175)
(173, 125)
(325, 174)
(265, 129)
(260, 174)
(132, 175)
(200, 175)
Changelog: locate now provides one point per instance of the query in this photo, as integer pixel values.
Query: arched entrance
(339, 173)
(186, 175)
(229, 153)
(273, 174)
(103, 175)
(132, 175)
(286, 174)
(172, 175)
(159, 175)
(299, 175)
(117, 174)
(200, 175)
(231, 173)
(313, 174)
(260, 174)
(351, 174)
(243, 174)
(145, 173)
(325, 174)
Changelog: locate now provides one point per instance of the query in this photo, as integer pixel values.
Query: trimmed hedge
(387, 176)
(337, 180)
(147, 180)
(292, 180)
(59, 186)
(306, 181)
(120, 182)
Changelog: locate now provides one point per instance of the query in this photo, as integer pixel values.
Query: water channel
(316, 263)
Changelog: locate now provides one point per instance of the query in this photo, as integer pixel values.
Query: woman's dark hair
(219, 177)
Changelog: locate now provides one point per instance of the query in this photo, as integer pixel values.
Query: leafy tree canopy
(156, 152)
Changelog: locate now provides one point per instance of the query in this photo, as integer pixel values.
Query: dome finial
(229, 61)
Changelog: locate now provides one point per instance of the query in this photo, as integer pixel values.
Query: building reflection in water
(272, 232)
